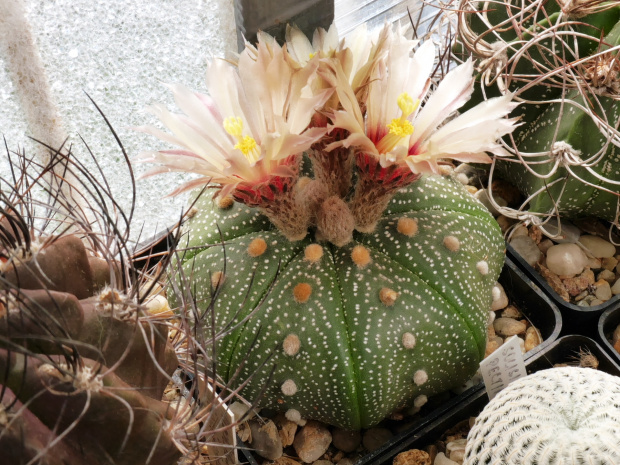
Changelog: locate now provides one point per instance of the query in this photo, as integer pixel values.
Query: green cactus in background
(560, 59)
(88, 343)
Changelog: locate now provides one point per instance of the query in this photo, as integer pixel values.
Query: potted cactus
(560, 60)
(338, 255)
(91, 355)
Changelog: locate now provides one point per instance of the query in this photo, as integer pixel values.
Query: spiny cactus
(561, 59)
(565, 415)
(88, 343)
(373, 288)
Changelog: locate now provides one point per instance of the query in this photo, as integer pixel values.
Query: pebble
(519, 230)
(527, 248)
(285, 461)
(606, 275)
(533, 338)
(265, 439)
(507, 327)
(615, 337)
(504, 223)
(345, 461)
(322, 462)
(609, 263)
(511, 312)
(568, 234)
(594, 263)
(500, 299)
(545, 245)
(412, 457)
(441, 459)
(566, 259)
(597, 246)
(286, 429)
(312, 441)
(603, 290)
(455, 450)
(346, 440)
(376, 437)
(615, 289)
(577, 284)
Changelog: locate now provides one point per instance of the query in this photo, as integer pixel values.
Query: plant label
(503, 366)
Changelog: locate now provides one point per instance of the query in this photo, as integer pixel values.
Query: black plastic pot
(607, 323)
(575, 319)
(564, 350)
(534, 305)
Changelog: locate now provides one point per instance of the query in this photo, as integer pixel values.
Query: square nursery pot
(575, 319)
(535, 306)
(607, 324)
(563, 351)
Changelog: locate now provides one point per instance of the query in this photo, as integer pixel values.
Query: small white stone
(597, 246)
(500, 299)
(420, 401)
(441, 459)
(566, 259)
(603, 291)
(527, 248)
(491, 317)
(615, 289)
(507, 327)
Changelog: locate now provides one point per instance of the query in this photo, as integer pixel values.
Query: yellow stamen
(234, 126)
(312, 55)
(399, 128)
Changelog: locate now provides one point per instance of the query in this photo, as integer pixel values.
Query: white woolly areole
(565, 415)
(420, 377)
(420, 401)
(289, 388)
(408, 341)
(483, 267)
(293, 415)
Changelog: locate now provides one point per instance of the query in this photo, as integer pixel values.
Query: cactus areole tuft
(355, 331)
(353, 274)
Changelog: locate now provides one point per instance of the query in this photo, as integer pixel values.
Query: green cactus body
(584, 191)
(354, 332)
(532, 58)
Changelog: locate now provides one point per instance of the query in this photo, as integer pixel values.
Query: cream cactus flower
(249, 134)
(404, 131)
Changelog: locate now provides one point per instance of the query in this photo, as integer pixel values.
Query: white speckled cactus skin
(356, 331)
(561, 416)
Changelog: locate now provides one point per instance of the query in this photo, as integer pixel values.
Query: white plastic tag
(503, 366)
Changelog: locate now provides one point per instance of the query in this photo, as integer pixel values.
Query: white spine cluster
(565, 415)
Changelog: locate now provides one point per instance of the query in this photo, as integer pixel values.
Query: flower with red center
(399, 137)
(248, 135)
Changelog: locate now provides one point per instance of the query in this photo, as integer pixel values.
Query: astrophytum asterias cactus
(560, 58)
(373, 288)
(567, 415)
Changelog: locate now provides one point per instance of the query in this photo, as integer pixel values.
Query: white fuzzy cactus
(561, 416)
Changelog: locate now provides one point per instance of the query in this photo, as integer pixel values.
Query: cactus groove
(358, 331)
